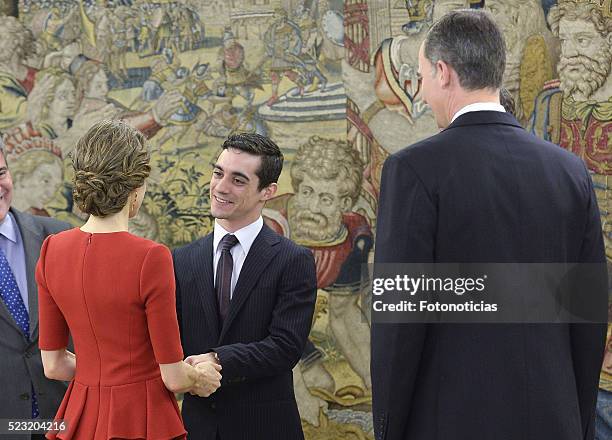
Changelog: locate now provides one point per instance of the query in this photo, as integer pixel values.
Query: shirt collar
(8, 228)
(478, 107)
(246, 235)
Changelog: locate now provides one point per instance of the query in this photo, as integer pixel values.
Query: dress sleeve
(157, 290)
(53, 329)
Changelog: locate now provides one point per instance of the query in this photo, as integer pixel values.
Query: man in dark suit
(26, 392)
(245, 299)
(483, 190)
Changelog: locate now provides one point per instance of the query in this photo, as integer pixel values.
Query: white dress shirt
(246, 236)
(478, 107)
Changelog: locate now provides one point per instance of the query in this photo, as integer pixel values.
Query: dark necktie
(225, 266)
(9, 290)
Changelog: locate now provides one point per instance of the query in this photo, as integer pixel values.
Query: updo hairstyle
(110, 161)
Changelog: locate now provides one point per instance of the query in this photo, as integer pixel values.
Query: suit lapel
(260, 255)
(32, 237)
(202, 269)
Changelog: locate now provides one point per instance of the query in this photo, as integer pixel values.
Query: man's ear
(444, 73)
(268, 192)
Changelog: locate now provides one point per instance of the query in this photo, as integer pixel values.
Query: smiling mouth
(222, 201)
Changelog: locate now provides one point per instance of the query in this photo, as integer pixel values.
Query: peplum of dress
(114, 293)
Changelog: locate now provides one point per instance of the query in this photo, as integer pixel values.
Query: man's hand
(198, 358)
(209, 379)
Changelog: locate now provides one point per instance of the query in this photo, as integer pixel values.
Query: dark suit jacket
(484, 190)
(20, 362)
(261, 340)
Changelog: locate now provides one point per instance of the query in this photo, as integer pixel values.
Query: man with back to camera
(483, 191)
(245, 299)
(26, 392)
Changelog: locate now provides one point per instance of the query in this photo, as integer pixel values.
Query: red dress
(115, 294)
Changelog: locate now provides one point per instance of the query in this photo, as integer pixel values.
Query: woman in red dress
(114, 293)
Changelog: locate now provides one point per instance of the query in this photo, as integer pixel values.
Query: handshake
(207, 376)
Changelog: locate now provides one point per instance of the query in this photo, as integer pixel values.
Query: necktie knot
(228, 242)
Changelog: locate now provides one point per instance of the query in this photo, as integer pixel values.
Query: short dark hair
(472, 44)
(258, 145)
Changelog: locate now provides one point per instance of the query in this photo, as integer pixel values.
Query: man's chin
(219, 214)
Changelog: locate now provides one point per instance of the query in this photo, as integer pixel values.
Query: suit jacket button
(213, 405)
(24, 396)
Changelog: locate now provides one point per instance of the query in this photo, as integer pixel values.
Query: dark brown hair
(110, 161)
(258, 145)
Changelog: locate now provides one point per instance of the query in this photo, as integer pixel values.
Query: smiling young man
(245, 299)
